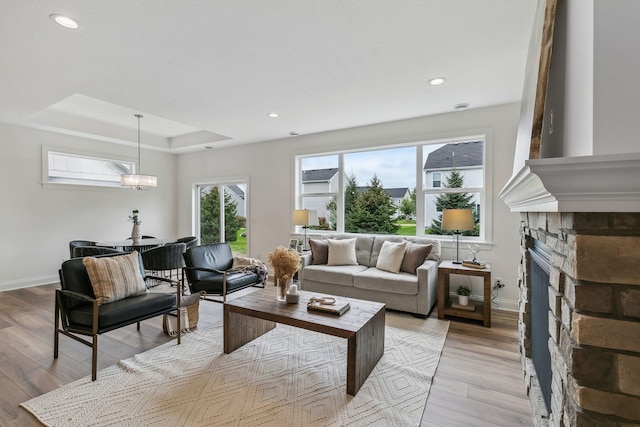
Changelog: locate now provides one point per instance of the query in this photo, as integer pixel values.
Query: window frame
(486, 212)
(220, 182)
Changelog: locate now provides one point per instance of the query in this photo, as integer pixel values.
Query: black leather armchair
(209, 268)
(77, 312)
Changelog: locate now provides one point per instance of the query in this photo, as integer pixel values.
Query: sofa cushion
(414, 256)
(364, 243)
(384, 281)
(335, 275)
(115, 278)
(319, 251)
(342, 252)
(391, 256)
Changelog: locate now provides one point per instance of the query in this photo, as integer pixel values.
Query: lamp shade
(457, 219)
(305, 217)
(138, 181)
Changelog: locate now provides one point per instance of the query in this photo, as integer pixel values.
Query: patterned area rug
(287, 377)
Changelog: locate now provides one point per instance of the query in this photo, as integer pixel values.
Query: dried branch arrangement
(285, 262)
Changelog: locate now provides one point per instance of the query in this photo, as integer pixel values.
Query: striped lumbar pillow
(115, 278)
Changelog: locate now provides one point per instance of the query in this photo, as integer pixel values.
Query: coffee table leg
(239, 329)
(364, 349)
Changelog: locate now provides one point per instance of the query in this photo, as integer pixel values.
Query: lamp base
(456, 262)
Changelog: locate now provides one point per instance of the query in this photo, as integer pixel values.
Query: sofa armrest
(305, 259)
(427, 285)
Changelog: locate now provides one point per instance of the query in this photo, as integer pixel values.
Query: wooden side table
(482, 311)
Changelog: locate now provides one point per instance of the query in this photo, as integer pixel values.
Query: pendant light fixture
(138, 181)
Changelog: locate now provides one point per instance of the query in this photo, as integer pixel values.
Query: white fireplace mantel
(607, 183)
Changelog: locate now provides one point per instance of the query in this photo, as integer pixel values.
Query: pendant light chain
(139, 116)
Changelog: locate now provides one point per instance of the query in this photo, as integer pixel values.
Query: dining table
(130, 244)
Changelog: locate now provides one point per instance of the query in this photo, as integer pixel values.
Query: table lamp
(457, 220)
(305, 218)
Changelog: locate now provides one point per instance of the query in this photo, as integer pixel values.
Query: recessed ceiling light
(273, 115)
(461, 106)
(65, 21)
(437, 81)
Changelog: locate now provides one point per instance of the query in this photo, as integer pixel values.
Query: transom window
(79, 169)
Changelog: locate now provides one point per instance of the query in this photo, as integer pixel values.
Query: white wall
(36, 223)
(269, 168)
(615, 77)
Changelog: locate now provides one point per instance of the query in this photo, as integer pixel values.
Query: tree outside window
(210, 217)
(460, 200)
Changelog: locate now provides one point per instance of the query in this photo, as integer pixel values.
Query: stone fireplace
(591, 232)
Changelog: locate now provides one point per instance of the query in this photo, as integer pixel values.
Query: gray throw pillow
(414, 256)
(319, 251)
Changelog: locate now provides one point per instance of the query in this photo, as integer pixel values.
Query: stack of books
(474, 263)
(339, 307)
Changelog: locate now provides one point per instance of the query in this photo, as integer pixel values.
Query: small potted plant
(463, 295)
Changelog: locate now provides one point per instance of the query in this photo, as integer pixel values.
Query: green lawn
(240, 245)
(406, 229)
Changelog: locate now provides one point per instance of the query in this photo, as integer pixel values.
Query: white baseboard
(497, 303)
(26, 283)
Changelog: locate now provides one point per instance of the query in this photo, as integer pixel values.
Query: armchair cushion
(121, 313)
(115, 278)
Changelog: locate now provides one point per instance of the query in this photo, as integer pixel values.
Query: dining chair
(84, 251)
(165, 258)
(190, 241)
(79, 243)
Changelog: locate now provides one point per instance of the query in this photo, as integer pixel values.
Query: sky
(394, 167)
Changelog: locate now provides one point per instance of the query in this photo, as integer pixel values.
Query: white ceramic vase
(463, 299)
(136, 233)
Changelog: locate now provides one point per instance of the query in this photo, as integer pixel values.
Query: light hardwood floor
(478, 381)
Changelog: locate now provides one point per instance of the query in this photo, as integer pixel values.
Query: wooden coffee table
(252, 315)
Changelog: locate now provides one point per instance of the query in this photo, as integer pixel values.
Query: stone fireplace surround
(591, 222)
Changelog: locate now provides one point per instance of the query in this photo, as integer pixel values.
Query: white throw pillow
(391, 256)
(342, 252)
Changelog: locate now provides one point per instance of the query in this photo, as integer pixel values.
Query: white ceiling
(208, 72)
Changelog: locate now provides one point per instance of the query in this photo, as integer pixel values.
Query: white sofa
(413, 293)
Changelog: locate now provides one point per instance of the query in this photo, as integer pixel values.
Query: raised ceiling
(208, 73)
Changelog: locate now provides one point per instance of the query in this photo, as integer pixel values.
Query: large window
(79, 169)
(400, 190)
